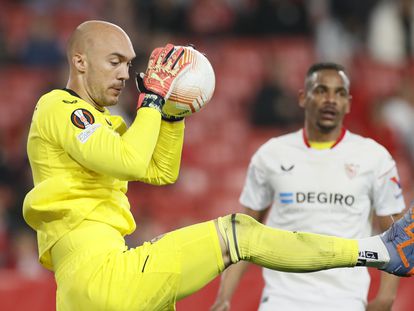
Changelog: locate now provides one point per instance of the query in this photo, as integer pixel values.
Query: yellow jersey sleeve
(167, 155)
(81, 159)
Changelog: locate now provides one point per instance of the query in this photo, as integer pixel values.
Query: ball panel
(190, 94)
(177, 109)
(194, 89)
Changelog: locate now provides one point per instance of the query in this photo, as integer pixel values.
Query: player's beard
(105, 98)
(327, 128)
(328, 125)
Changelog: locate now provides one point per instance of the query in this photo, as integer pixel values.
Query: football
(194, 89)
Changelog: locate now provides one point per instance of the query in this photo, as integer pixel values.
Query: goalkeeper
(81, 159)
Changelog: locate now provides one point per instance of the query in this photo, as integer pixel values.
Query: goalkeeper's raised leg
(243, 238)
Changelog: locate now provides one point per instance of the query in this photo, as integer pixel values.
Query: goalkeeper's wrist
(171, 118)
(151, 100)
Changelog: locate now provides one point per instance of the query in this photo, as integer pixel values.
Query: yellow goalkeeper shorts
(94, 270)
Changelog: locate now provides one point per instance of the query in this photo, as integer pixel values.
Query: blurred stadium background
(260, 50)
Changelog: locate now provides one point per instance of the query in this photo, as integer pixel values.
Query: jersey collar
(72, 92)
(306, 141)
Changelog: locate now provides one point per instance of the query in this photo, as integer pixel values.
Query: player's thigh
(136, 279)
(199, 256)
(173, 266)
(149, 277)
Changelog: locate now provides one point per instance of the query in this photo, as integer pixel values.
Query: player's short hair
(324, 66)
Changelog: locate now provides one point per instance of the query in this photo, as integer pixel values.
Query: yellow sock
(227, 227)
(284, 250)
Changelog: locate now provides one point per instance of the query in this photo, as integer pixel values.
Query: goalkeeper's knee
(235, 230)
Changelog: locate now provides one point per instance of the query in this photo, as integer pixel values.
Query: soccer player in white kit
(322, 179)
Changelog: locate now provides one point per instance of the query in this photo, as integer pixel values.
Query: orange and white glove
(165, 67)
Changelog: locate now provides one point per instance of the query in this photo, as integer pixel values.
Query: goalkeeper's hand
(165, 66)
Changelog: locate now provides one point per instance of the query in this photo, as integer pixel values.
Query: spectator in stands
(274, 105)
(397, 111)
(162, 16)
(24, 253)
(9, 199)
(4, 54)
(42, 47)
(282, 17)
(391, 31)
(353, 15)
(220, 20)
(333, 41)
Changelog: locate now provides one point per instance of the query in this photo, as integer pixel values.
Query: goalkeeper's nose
(123, 73)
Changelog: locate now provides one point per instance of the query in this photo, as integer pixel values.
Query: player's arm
(387, 291)
(99, 148)
(148, 150)
(232, 275)
(165, 162)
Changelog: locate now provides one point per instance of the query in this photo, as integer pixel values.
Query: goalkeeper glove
(148, 99)
(164, 68)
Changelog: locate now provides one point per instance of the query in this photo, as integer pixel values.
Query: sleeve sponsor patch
(86, 133)
(82, 118)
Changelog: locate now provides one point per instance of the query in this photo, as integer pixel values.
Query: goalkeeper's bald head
(99, 56)
(92, 35)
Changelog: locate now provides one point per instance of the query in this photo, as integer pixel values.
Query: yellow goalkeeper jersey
(81, 160)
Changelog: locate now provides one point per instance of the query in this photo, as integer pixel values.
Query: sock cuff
(227, 228)
(348, 252)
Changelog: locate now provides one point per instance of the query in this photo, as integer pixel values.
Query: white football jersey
(332, 191)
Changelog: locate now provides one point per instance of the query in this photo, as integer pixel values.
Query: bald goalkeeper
(82, 158)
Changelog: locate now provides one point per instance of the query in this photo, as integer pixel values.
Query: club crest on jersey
(351, 170)
(82, 118)
(396, 181)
